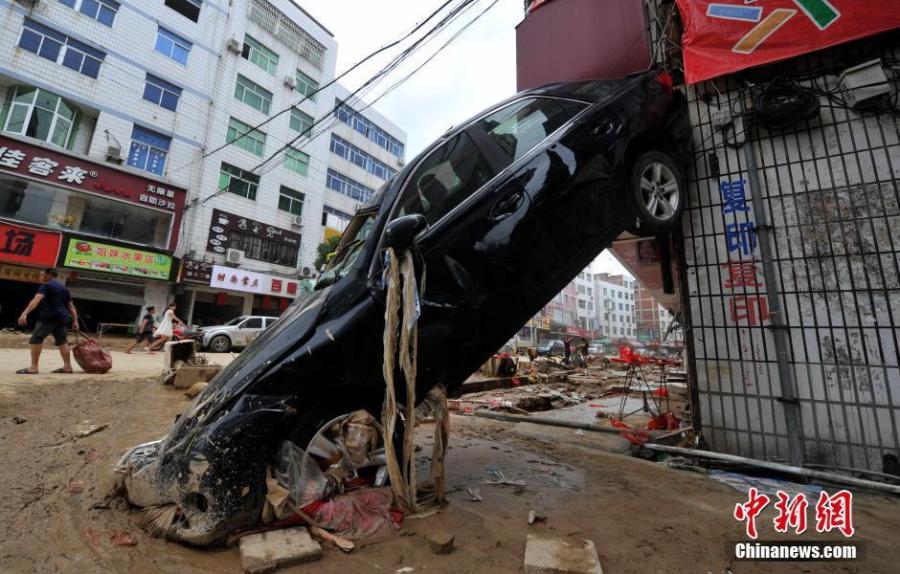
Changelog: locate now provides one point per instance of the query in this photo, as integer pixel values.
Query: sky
(475, 71)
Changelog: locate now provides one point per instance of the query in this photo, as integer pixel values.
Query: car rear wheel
(220, 344)
(658, 192)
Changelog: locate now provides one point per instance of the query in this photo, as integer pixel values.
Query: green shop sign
(81, 254)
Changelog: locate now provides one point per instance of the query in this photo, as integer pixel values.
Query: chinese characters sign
(82, 254)
(741, 270)
(16, 273)
(225, 225)
(29, 246)
(250, 282)
(724, 36)
(196, 271)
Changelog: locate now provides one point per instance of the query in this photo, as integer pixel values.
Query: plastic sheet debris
(474, 494)
(357, 514)
(770, 486)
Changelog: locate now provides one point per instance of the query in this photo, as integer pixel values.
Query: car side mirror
(400, 233)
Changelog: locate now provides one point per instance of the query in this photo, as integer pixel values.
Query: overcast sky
(475, 71)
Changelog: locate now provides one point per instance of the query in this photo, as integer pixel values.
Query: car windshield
(235, 321)
(350, 246)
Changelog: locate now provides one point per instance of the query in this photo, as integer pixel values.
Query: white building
(584, 295)
(134, 95)
(614, 305)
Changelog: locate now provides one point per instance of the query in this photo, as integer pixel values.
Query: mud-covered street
(642, 516)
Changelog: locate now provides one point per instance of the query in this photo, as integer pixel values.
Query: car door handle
(506, 205)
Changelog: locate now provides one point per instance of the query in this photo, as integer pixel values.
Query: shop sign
(14, 273)
(252, 282)
(724, 36)
(82, 254)
(224, 225)
(29, 246)
(75, 173)
(196, 271)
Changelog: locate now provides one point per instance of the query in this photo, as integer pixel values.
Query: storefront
(112, 283)
(24, 251)
(96, 211)
(214, 294)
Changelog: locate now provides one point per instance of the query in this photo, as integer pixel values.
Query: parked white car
(238, 332)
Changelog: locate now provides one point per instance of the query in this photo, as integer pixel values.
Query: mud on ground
(642, 516)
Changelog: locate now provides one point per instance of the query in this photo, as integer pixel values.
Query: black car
(550, 348)
(500, 213)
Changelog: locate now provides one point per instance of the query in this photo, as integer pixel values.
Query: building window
(148, 150)
(335, 218)
(259, 55)
(289, 32)
(353, 119)
(103, 11)
(59, 48)
(41, 115)
(253, 95)
(173, 46)
(161, 92)
(353, 154)
(296, 161)
(237, 181)
(301, 122)
(39, 203)
(262, 249)
(306, 85)
(290, 201)
(245, 137)
(190, 9)
(349, 187)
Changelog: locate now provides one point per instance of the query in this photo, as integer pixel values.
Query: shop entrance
(269, 306)
(216, 308)
(16, 295)
(101, 302)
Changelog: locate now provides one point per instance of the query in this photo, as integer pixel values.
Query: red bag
(90, 355)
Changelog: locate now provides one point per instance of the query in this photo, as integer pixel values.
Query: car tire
(220, 344)
(657, 192)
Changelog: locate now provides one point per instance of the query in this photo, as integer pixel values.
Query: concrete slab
(560, 556)
(268, 551)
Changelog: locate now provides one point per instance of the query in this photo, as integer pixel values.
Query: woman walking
(163, 332)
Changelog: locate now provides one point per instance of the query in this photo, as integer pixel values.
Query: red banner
(28, 246)
(724, 36)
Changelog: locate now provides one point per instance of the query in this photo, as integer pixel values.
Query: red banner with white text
(724, 36)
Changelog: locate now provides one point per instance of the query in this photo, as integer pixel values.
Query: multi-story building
(585, 319)
(652, 320)
(614, 306)
(112, 120)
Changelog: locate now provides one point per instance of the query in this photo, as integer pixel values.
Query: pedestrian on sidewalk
(54, 306)
(145, 330)
(164, 331)
(567, 348)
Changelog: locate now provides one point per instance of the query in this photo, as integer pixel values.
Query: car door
(479, 223)
(248, 330)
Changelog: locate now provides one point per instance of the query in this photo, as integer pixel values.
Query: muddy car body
(500, 214)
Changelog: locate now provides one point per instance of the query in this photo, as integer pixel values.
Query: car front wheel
(657, 191)
(220, 344)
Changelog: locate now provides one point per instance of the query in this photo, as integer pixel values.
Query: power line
(388, 46)
(447, 19)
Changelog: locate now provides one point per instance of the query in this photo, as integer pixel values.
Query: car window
(252, 323)
(448, 176)
(235, 321)
(270, 321)
(517, 128)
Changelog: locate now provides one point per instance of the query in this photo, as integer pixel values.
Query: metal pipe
(544, 421)
(788, 399)
(778, 467)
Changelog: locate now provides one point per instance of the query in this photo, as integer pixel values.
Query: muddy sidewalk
(642, 516)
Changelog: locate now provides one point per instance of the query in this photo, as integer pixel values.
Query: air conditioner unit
(297, 221)
(234, 256)
(305, 272)
(401, 162)
(234, 45)
(114, 153)
(290, 82)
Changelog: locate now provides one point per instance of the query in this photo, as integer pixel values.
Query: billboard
(724, 36)
(94, 256)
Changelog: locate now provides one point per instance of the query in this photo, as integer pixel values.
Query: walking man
(145, 330)
(54, 305)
